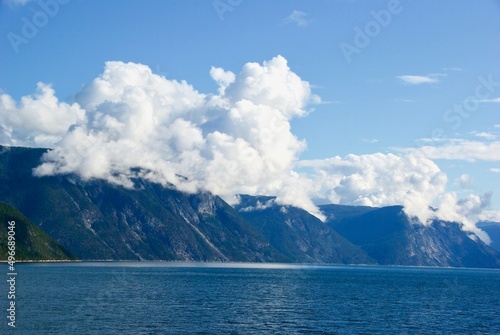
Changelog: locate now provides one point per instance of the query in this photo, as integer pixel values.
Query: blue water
(184, 298)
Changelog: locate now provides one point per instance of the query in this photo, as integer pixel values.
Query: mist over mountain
(97, 220)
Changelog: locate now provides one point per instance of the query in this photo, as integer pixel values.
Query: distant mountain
(31, 243)
(299, 235)
(97, 220)
(390, 237)
(493, 230)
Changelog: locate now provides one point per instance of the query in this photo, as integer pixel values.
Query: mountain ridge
(391, 237)
(96, 220)
(298, 234)
(30, 242)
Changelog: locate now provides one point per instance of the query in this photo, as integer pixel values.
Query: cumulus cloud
(273, 85)
(139, 124)
(464, 181)
(223, 78)
(39, 120)
(132, 123)
(411, 180)
(380, 180)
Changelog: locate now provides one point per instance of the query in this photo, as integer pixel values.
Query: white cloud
(129, 122)
(140, 124)
(485, 135)
(494, 100)
(37, 121)
(299, 18)
(461, 150)
(467, 211)
(223, 78)
(380, 180)
(259, 206)
(272, 84)
(417, 80)
(495, 170)
(489, 215)
(411, 180)
(464, 181)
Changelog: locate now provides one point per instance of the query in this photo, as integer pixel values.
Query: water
(184, 298)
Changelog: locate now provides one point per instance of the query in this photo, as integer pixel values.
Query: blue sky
(403, 89)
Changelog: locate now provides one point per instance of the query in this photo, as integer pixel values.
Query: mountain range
(96, 220)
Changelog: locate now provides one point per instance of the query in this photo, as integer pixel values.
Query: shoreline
(244, 264)
(44, 261)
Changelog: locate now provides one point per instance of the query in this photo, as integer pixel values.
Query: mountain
(98, 220)
(389, 236)
(300, 236)
(493, 230)
(336, 213)
(31, 243)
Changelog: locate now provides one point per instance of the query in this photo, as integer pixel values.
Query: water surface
(197, 298)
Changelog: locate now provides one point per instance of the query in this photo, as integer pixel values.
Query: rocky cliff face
(390, 237)
(299, 235)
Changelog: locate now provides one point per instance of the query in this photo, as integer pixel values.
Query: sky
(353, 102)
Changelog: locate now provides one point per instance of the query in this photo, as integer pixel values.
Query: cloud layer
(129, 123)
